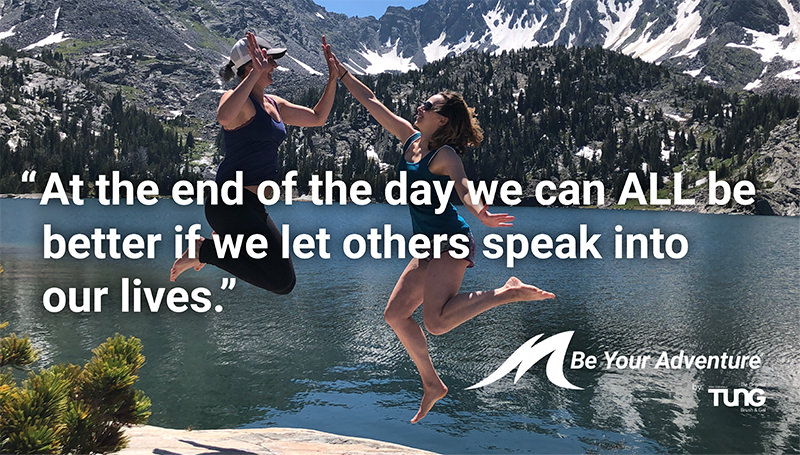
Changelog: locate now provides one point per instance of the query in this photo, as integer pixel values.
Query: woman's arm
(447, 162)
(293, 114)
(230, 106)
(303, 116)
(231, 111)
(398, 126)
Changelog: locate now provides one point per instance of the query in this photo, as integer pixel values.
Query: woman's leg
(406, 297)
(446, 309)
(187, 261)
(272, 272)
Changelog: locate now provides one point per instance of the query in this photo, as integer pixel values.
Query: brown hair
(462, 129)
(226, 72)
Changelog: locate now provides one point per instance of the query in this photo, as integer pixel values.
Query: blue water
(323, 358)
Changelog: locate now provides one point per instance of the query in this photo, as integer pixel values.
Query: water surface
(323, 358)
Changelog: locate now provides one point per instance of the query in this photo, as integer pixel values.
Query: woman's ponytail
(226, 72)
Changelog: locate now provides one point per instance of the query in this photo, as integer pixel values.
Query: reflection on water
(323, 358)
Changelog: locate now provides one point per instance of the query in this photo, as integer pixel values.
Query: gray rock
(779, 162)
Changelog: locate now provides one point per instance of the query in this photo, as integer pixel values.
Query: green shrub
(69, 409)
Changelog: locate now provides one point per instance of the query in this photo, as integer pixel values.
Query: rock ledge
(278, 441)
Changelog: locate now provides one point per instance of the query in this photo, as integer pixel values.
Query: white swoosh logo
(530, 353)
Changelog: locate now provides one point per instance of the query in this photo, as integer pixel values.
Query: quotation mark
(228, 283)
(29, 177)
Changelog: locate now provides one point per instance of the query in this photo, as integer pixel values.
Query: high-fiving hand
(330, 59)
(334, 65)
(261, 61)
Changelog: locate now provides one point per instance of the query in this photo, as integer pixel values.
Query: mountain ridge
(737, 44)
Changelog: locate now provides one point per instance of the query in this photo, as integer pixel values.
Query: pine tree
(702, 155)
(68, 409)
(691, 141)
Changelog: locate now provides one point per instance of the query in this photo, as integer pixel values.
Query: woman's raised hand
(495, 219)
(335, 67)
(258, 56)
(333, 72)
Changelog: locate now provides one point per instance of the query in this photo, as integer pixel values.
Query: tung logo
(739, 397)
(529, 353)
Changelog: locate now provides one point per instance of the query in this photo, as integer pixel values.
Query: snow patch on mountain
(372, 154)
(681, 35)
(677, 118)
(507, 34)
(589, 153)
(55, 18)
(305, 67)
(753, 85)
(792, 74)
(620, 30)
(354, 67)
(693, 46)
(437, 50)
(387, 61)
(10, 32)
(666, 151)
(53, 38)
(563, 22)
(770, 46)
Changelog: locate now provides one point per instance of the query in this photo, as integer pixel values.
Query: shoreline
(148, 439)
(682, 209)
(21, 195)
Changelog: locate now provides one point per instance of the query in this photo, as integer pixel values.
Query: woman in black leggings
(253, 126)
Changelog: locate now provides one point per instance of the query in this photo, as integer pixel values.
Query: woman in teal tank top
(445, 125)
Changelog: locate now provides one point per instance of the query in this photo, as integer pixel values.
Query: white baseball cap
(240, 55)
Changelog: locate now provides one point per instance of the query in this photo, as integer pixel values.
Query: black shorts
(272, 272)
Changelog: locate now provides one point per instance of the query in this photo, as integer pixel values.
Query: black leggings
(272, 272)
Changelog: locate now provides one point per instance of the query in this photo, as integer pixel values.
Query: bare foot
(519, 291)
(185, 263)
(430, 396)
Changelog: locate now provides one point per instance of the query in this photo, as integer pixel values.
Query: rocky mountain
(737, 44)
(53, 120)
(740, 44)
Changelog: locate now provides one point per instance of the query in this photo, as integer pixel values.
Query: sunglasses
(428, 107)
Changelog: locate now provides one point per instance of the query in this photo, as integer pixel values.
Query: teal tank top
(423, 217)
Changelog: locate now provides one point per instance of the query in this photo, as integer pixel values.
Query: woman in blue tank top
(445, 125)
(253, 126)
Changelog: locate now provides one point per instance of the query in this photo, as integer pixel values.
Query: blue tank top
(253, 148)
(423, 217)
